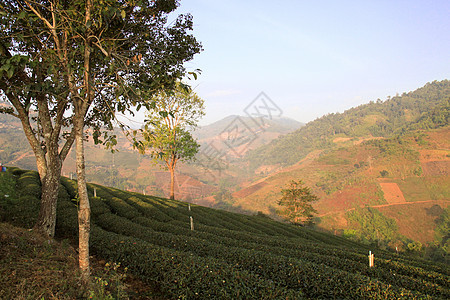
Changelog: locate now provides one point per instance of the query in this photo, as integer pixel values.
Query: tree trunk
(172, 183)
(46, 221)
(49, 165)
(81, 108)
(84, 211)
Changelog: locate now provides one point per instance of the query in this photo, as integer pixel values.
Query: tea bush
(228, 256)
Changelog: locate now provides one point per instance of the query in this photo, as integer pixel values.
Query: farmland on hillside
(227, 255)
(408, 173)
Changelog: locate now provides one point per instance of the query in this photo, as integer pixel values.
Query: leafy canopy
(132, 54)
(296, 202)
(166, 132)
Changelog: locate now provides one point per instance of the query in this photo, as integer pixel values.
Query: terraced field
(227, 255)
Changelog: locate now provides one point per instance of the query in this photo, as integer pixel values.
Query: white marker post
(370, 259)
(95, 192)
(192, 223)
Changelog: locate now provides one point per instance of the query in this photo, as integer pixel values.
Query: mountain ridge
(378, 119)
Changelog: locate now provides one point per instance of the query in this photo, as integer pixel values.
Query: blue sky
(315, 57)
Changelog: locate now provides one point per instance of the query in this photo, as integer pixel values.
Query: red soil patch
(427, 155)
(440, 137)
(266, 169)
(343, 200)
(415, 220)
(335, 221)
(392, 193)
(436, 168)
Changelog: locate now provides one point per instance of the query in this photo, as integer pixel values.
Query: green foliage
(384, 173)
(424, 108)
(185, 276)
(8, 194)
(441, 250)
(232, 256)
(110, 285)
(372, 225)
(166, 133)
(435, 118)
(22, 207)
(166, 136)
(296, 201)
(7, 185)
(443, 227)
(170, 145)
(77, 63)
(418, 171)
(30, 184)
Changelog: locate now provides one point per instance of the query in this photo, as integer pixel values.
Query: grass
(34, 267)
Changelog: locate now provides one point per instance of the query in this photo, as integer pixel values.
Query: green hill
(387, 190)
(426, 108)
(379, 169)
(227, 255)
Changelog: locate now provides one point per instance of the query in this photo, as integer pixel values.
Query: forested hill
(424, 108)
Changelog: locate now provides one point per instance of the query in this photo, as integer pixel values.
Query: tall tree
(296, 203)
(166, 134)
(32, 82)
(77, 63)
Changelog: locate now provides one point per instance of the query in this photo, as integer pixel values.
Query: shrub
(384, 173)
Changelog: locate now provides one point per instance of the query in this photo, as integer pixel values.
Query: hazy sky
(315, 57)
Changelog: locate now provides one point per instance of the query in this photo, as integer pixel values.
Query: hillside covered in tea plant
(222, 254)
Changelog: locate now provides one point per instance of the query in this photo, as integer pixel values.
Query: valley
(391, 156)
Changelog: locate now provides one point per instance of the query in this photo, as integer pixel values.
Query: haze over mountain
(379, 167)
(275, 124)
(235, 135)
(127, 169)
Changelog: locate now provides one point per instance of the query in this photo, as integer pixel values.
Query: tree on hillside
(296, 203)
(34, 86)
(166, 135)
(77, 63)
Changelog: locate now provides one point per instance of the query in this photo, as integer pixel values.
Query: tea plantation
(227, 255)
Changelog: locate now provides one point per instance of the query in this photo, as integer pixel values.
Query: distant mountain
(381, 170)
(235, 135)
(373, 120)
(127, 169)
(281, 125)
(380, 167)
